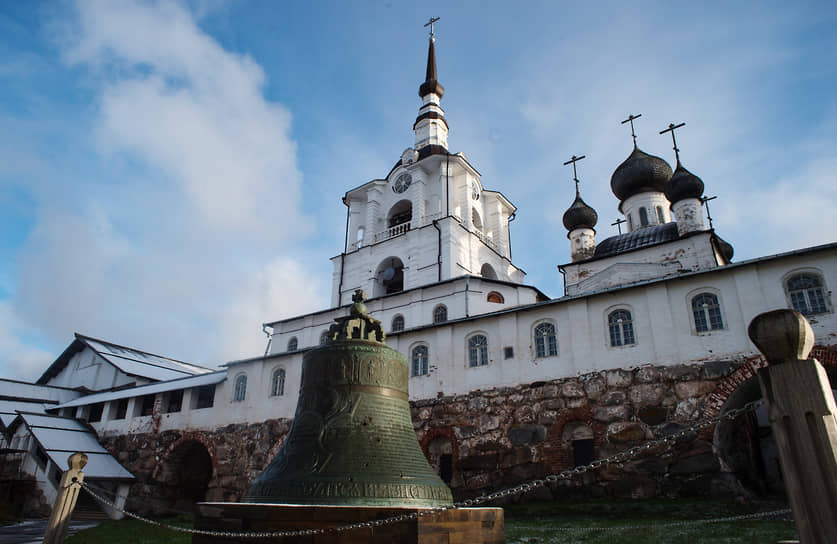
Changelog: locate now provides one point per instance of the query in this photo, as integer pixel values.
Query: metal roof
(9, 409)
(60, 437)
(150, 389)
(644, 237)
(129, 360)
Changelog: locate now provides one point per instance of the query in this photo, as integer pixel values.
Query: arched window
(661, 218)
(643, 217)
(707, 312)
(440, 314)
(397, 323)
(389, 277)
(806, 294)
(546, 343)
(399, 214)
(475, 219)
(240, 390)
(630, 223)
(478, 350)
(495, 297)
(323, 338)
(359, 236)
(621, 328)
(293, 343)
(419, 358)
(487, 271)
(277, 382)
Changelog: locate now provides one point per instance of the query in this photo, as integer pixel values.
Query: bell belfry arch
(431, 209)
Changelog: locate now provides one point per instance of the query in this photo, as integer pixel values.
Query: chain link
(615, 459)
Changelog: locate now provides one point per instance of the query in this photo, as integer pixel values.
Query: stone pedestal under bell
(456, 526)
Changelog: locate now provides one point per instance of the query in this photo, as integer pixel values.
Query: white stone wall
(685, 255)
(650, 201)
(689, 215)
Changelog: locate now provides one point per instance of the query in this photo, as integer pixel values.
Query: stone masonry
(508, 435)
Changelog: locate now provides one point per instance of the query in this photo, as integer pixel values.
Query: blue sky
(171, 172)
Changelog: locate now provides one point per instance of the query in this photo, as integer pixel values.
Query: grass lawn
(539, 523)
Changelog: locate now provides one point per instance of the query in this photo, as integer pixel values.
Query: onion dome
(639, 173)
(724, 248)
(682, 185)
(580, 215)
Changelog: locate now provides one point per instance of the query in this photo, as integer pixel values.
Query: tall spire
(431, 84)
(430, 127)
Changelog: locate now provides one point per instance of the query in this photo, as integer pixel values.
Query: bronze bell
(352, 441)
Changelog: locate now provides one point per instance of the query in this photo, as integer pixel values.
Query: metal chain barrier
(112, 494)
(619, 458)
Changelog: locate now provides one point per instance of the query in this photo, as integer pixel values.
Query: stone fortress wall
(489, 439)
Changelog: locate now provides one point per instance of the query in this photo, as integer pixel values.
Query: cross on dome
(671, 128)
(630, 120)
(574, 160)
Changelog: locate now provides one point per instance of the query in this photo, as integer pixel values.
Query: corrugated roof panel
(55, 422)
(139, 363)
(62, 439)
(150, 389)
(99, 465)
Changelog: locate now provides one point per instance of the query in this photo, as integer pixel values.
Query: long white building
(429, 243)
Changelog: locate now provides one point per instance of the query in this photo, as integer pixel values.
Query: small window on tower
(643, 217)
(661, 218)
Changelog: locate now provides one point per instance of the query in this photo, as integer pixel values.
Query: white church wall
(688, 254)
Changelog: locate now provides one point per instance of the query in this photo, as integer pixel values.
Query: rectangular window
(121, 409)
(96, 412)
(508, 352)
(41, 456)
(175, 401)
(205, 396)
(147, 405)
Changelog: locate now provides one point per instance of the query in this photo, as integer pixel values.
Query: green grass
(131, 531)
(540, 523)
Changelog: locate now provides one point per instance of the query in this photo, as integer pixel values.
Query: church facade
(506, 383)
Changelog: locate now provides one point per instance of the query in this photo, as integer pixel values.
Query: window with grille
(621, 328)
(478, 350)
(707, 313)
(420, 358)
(240, 390)
(397, 323)
(440, 314)
(546, 343)
(277, 382)
(806, 294)
(293, 343)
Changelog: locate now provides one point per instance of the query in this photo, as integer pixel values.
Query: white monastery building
(429, 244)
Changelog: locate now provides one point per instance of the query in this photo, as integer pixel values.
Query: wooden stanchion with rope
(65, 502)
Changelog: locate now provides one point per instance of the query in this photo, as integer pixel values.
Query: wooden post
(802, 413)
(65, 502)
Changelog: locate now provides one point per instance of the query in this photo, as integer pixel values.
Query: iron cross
(618, 224)
(705, 201)
(671, 128)
(430, 24)
(572, 161)
(630, 120)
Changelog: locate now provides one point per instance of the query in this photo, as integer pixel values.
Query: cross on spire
(630, 120)
(572, 161)
(705, 200)
(671, 128)
(618, 224)
(430, 24)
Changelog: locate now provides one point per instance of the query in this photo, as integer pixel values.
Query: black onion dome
(639, 173)
(580, 215)
(683, 184)
(724, 248)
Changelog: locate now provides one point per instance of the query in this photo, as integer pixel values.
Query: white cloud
(182, 239)
(21, 361)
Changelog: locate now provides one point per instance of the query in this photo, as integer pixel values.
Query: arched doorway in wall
(401, 213)
(185, 474)
(577, 437)
(440, 456)
(389, 277)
